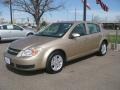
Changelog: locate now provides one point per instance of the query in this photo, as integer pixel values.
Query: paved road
(90, 73)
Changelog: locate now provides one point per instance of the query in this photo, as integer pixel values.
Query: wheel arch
(104, 40)
(49, 52)
(99, 51)
(29, 33)
(62, 51)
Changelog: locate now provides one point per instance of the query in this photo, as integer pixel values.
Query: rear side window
(4, 26)
(10, 27)
(7, 27)
(80, 29)
(93, 28)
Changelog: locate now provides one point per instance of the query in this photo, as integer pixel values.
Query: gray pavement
(89, 73)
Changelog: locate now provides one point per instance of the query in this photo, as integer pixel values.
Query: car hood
(31, 41)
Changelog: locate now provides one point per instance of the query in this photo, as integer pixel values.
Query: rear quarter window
(93, 28)
(7, 27)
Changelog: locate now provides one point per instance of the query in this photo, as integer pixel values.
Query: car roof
(75, 22)
(8, 24)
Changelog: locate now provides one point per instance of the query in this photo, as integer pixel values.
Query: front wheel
(103, 49)
(55, 62)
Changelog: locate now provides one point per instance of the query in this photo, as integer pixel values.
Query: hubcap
(103, 49)
(56, 62)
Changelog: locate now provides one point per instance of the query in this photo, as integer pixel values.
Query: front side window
(93, 28)
(55, 30)
(16, 27)
(80, 29)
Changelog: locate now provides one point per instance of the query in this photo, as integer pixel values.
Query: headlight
(28, 52)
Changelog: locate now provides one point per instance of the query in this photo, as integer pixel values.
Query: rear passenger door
(5, 32)
(94, 36)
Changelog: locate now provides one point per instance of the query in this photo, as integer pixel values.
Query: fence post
(116, 39)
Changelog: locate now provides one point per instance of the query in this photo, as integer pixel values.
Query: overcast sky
(68, 12)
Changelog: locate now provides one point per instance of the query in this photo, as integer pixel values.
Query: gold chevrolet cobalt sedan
(56, 44)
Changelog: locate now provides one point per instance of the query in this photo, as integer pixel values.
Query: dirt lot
(89, 73)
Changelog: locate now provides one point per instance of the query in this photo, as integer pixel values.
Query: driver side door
(78, 44)
(17, 32)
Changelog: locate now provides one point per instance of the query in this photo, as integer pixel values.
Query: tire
(103, 49)
(55, 62)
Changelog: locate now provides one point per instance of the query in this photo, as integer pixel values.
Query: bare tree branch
(35, 7)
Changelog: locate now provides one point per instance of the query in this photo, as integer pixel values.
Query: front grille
(12, 64)
(13, 51)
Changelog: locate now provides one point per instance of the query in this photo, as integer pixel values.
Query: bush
(112, 39)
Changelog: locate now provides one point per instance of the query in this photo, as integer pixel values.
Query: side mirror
(75, 35)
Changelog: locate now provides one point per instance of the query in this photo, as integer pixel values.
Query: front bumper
(24, 63)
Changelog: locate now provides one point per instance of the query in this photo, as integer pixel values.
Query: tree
(43, 24)
(36, 8)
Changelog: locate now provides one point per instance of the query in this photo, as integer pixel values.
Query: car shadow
(25, 73)
(36, 72)
(81, 59)
(7, 41)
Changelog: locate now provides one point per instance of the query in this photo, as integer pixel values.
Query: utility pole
(116, 38)
(84, 10)
(11, 12)
(75, 14)
(92, 17)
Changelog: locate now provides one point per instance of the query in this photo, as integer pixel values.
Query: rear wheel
(103, 49)
(55, 62)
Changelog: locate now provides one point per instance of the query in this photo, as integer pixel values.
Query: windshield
(55, 30)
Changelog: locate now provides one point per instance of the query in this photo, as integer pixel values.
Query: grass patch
(112, 39)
